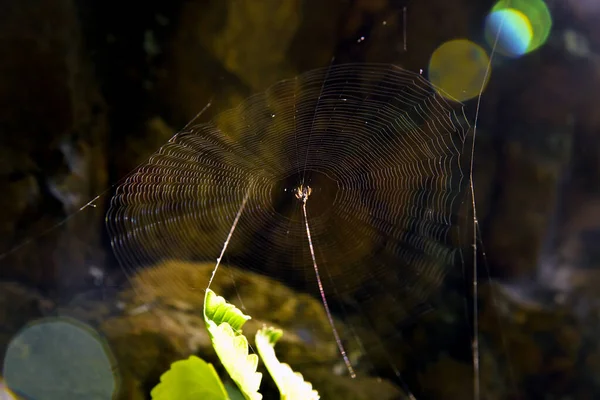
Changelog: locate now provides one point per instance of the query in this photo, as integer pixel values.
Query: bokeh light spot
(458, 69)
(59, 359)
(5, 393)
(521, 26)
(515, 31)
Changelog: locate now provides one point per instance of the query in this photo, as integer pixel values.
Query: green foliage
(233, 392)
(291, 384)
(195, 379)
(190, 379)
(218, 311)
(224, 322)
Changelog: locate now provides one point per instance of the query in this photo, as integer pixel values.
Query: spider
(302, 192)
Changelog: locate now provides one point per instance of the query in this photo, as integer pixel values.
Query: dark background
(89, 89)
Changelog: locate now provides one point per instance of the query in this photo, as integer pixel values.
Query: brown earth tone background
(89, 89)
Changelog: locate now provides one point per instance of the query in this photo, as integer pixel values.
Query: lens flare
(521, 26)
(458, 69)
(59, 359)
(515, 30)
(5, 393)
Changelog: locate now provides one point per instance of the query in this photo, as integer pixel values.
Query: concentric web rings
(382, 154)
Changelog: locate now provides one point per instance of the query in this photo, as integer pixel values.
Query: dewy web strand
(475, 227)
(381, 151)
(304, 197)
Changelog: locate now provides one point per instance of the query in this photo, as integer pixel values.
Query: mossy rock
(161, 322)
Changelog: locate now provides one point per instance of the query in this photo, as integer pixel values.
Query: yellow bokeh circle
(458, 69)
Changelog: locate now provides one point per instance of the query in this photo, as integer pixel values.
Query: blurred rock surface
(159, 320)
(53, 140)
(158, 65)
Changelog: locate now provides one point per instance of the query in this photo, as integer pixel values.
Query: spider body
(302, 192)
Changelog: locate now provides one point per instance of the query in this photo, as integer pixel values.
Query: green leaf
(291, 384)
(218, 310)
(190, 379)
(233, 392)
(224, 322)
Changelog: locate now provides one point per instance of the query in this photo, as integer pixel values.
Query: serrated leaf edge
(292, 385)
(224, 322)
(218, 310)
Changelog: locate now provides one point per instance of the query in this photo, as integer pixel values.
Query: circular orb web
(381, 152)
(458, 68)
(59, 359)
(524, 26)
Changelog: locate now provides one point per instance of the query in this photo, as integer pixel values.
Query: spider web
(382, 153)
